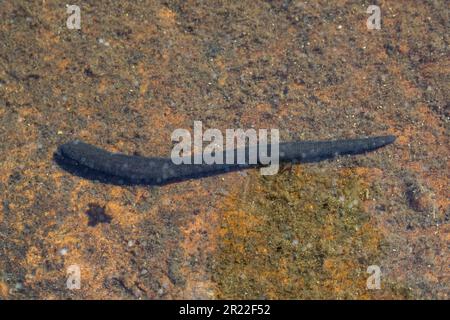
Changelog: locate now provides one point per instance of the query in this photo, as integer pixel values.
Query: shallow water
(136, 72)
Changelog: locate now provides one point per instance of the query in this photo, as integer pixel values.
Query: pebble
(102, 41)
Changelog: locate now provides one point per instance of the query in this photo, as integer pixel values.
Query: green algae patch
(301, 234)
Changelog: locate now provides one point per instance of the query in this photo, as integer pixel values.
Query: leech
(158, 171)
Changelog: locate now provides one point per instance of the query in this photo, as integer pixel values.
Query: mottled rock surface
(136, 71)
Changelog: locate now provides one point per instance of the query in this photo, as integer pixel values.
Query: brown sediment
(279, 242)
(276, 64)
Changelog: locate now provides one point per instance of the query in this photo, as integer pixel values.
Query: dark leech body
(157, 171)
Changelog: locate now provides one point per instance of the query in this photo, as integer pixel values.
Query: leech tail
(313, 151)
